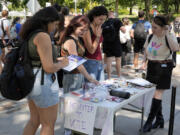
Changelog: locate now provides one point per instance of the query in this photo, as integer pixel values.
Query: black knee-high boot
(155, 106)
(159, 123)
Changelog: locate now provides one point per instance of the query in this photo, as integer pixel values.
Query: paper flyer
(74, 62)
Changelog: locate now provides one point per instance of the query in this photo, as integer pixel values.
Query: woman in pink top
(92, 40)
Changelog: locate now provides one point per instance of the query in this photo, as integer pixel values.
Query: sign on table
(79, 116)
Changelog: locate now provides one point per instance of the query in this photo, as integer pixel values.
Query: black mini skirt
(160, 74)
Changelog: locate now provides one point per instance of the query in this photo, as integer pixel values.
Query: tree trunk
(176, 5)
(51, 1)
(130, 11)
(147, 5)
(116, 7)
(166, 6)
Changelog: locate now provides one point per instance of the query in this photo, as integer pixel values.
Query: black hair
(61, 22)
(57, 7)
(15, 20)
(65, 11)
(141, 14)
(97, 11)
(39, 21)
(160, 20)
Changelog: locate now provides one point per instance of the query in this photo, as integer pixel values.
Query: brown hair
(141, 14)
(160, 20)
(73, 25)
(125, 21)
(4, 13)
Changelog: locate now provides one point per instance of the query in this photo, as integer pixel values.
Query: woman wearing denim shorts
(43, 100)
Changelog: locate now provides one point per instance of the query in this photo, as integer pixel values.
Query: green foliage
(12, 7)
(0, 7)
(124, 11)
(164, 6)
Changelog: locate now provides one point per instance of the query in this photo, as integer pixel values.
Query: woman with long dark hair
(44, 98)
(92, 40)
(73, 45)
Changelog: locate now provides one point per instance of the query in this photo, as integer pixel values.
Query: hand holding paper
(64, 61)
(74, 62)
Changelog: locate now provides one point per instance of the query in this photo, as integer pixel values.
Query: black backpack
(171, 52)
(140, 31)
(108, 30)
(17, 77)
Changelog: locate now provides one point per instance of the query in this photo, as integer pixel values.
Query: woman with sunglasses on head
(72, 44)
(159, 67)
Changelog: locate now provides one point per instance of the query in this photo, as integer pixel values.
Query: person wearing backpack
(44, 98)
(15, 28)
(4, 29)
(159, 67)
(111, 43)
(4, 35)
(139, 32)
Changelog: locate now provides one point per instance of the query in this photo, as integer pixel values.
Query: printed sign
(79, 116)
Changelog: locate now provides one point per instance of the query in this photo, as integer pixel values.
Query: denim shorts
(45, 95)
(95, 69)
(72, 82)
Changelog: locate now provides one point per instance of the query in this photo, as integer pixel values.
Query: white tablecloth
(106, 109)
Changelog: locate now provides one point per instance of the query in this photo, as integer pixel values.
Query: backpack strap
(149, 38)
(171, 52)
(167, 43)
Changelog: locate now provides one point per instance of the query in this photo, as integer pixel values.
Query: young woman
(159, 68)
(72, 45)
(92, 40)
(44, 98)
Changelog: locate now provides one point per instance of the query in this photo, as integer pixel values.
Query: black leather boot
(159, 123)
(155, 106)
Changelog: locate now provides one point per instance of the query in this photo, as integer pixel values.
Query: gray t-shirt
(6, 24)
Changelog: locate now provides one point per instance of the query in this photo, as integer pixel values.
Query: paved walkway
(14, 115)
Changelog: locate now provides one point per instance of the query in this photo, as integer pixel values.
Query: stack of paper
(74, 62)
(140, 82)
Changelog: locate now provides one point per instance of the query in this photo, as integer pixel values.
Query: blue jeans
(72, 82)
(95, 69)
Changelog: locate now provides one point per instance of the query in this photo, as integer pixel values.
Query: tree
(147, 5)
(128, 3)
(116, 7)
(176, 4)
